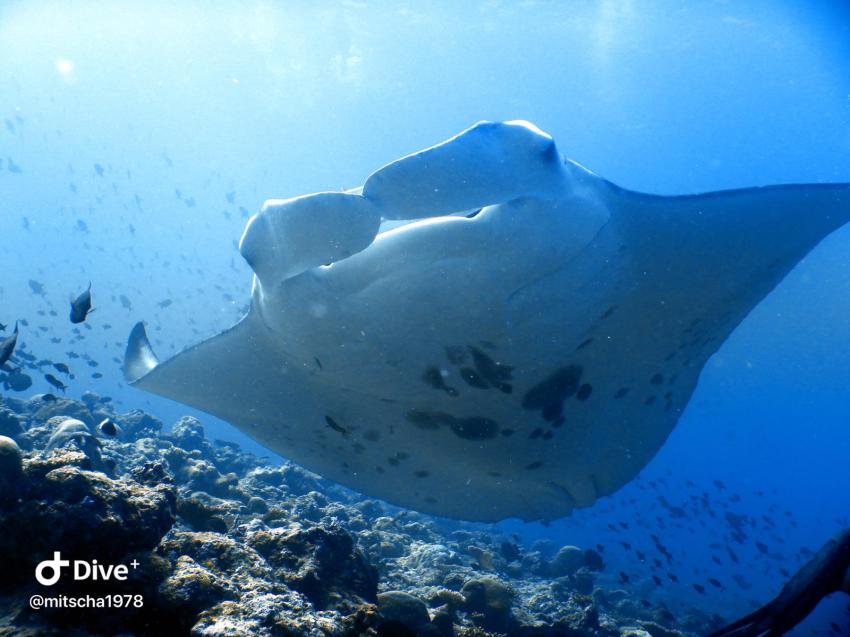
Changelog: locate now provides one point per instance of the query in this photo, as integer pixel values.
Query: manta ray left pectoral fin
(228, 375)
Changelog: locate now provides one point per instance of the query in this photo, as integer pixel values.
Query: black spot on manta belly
(470, 428)
(548, 395)
(471, 378)
(494, 372)
(433, 377)
(456, 354)
(552, 411)
(475, 428)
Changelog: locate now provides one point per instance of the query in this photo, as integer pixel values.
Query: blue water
(150, 116)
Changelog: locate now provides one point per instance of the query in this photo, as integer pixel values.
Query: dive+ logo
(48, 572)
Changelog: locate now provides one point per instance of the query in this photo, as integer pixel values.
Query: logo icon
(55, 565)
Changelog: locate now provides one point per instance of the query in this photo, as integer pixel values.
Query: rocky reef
(218, 542)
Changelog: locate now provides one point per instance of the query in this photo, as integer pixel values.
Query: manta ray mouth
(389, 225)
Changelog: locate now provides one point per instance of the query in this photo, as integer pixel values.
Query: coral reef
(224, 543)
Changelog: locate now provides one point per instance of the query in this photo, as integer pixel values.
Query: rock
(657, 630)
(64, 407)
(138, 424)
(567, 561)
(257, 505)
(205, 513)
(197, 474)
(489, 601)
(11, 470)
(403, 608)
(483, 557)
(10, 423)
(191, 588)
(82, 512)
(583, 581)
(188, 433)
(320, 562)
(593, 560)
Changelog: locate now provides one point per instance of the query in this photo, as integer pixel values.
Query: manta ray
(486, 329)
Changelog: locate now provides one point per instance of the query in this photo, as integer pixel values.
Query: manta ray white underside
(522, 349)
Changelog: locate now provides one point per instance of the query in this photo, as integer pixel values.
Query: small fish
(624, 578)
(49, 398)
(81, 306)
(333, 424)
(3, 327)
(108, 427)
(7, 346)
(62, 367)
(715, 582)
(58, 384)
(36, 287)
(17, 381)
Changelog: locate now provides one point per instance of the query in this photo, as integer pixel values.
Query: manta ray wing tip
(139, 357)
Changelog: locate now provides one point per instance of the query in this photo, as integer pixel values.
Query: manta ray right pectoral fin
(488, 163)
